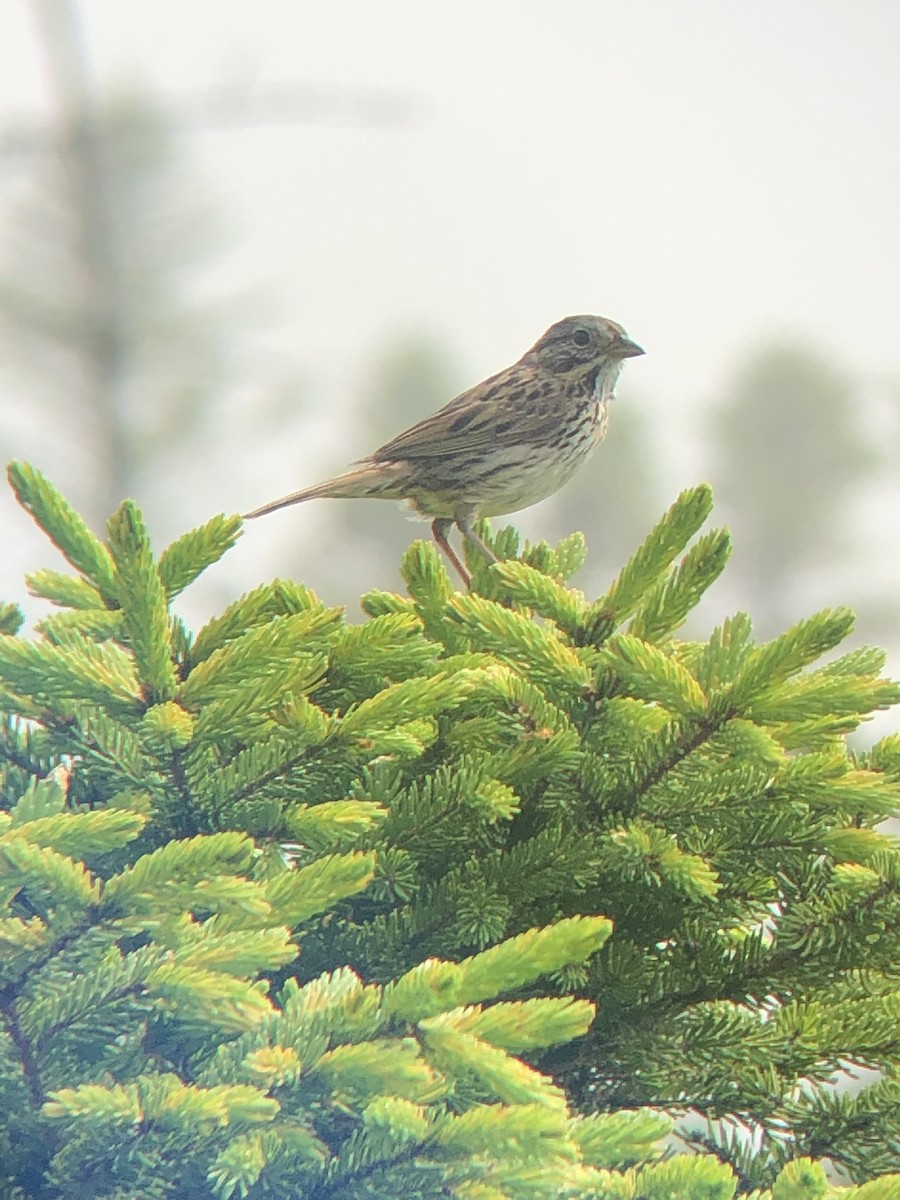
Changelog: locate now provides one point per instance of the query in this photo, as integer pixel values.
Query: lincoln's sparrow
(504, 444)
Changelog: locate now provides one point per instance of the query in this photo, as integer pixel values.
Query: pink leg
(440, 527)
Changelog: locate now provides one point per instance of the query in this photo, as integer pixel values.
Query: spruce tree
(478, 898)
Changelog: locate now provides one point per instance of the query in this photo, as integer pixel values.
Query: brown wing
(489, 414)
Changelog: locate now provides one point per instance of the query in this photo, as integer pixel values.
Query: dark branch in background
(232, 106)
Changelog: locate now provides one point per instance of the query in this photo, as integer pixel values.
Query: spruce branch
(65, 528)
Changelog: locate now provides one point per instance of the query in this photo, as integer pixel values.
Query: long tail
(369, 481)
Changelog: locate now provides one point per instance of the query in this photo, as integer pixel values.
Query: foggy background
(243, 244)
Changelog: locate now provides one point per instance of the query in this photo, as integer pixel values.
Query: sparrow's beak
(624, 347)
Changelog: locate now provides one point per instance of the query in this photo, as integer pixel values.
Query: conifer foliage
(473, 899)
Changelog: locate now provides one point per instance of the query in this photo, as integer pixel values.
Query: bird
(503, 445)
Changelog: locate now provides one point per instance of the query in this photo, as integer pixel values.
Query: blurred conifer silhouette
(790, 452)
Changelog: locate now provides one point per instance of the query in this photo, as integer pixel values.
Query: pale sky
(706, 172)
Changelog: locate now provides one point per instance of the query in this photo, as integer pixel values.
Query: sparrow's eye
(581, 337)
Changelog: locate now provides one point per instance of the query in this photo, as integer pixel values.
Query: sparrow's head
(576, 344)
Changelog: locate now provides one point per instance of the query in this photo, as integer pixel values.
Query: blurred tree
(100, 317)
(114, 328)
(789, 453)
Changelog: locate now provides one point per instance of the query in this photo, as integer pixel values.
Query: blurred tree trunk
(86, 171)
